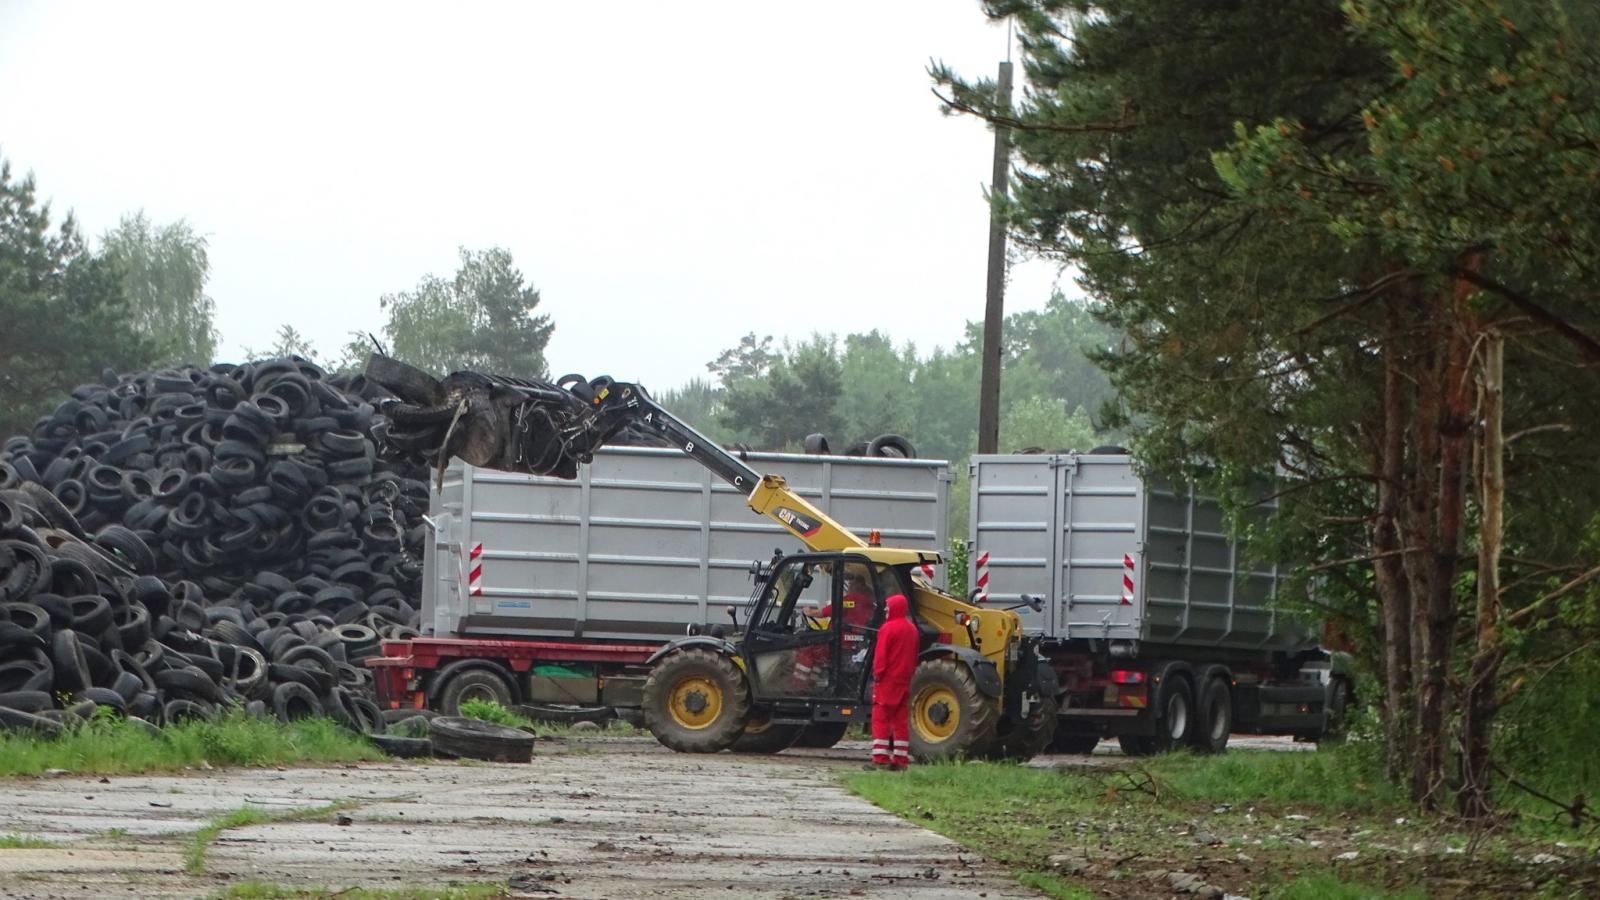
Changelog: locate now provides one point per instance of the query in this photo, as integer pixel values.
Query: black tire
(821, 735)
(1214, 719)
(1078, 742)
(188, 681)
(950, 717)
(406, 382)
(1175, 714)
(566, 715)
(761, 736)
(476, 739)
(26, 701)
(17, 720)
(1026, 739)
(471, 684)
(104, 697)
(816, 444)
(291, 701)
(177, 712)
(402, 747)
(891, 445)
(696, 701)
(71, 669)
(1336, 717)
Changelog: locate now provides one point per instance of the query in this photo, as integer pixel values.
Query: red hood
(897, 607)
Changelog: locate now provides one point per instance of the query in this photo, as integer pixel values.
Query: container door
(1012, 523)
(1098, 553)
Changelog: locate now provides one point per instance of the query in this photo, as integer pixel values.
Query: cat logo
(801, 525)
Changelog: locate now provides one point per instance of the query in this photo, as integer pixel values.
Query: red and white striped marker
(1127, 580)
(475, 576)
(983, 577)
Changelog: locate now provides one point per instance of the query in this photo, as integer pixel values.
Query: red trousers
(891, 734)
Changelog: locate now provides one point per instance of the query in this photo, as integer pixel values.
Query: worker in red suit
(893, 661)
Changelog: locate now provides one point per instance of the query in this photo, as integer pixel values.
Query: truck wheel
(764, 737)
(949, 715)
(822, 735)
(1210, 732)
(1079, 742)
(473, 684)
(1029, 738)
(1175, 707)
(1337, 715)
(696, 701)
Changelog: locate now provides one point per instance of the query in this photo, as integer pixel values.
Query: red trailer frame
(401, 672)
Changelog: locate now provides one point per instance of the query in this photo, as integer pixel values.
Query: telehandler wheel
(696, 701)
(1029, 738)
(949, 715)
(761, 736)
(821, 735)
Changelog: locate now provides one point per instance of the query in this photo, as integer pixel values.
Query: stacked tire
(174, 543)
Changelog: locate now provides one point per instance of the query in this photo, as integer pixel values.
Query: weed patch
(194, 858)
(25, 842)
(112, 747)
(256, 890)
(490, 711)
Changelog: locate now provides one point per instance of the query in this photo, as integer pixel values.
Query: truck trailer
(1162, 629)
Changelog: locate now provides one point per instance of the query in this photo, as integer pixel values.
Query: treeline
(135, 300)
(854, 388)
(1355, 244)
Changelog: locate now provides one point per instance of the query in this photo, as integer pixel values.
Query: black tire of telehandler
(761, 736)
(943, 681)
(1027, 739)
(476, 739)
(822, 735)
(674, 674)
(1081, 743)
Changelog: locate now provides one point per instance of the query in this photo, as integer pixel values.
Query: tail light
(1127, 676)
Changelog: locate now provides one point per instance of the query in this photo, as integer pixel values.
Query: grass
(194, 858)
(1330, 887)
(1340, 779)
(490, 711)
(25, 842)
(256, 890)
(113, 747)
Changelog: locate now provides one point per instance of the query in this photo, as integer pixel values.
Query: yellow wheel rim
(936, 713)
(695, 702)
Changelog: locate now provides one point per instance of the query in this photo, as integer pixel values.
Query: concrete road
(587, 819)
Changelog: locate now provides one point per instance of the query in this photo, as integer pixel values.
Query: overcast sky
(670, 176)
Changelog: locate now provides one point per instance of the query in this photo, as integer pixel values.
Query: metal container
(1117, 559)
(644, 542)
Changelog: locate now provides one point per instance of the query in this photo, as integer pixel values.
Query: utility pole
(994, 311)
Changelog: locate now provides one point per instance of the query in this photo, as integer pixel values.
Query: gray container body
(1118, 559)
(645, 541)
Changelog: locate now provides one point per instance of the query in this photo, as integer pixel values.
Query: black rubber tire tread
(822, 735)
(980, 715)
(17, 720)
(893, 446)
(1027, 739)
(1081, 743)
(180, 710)
(26, 701)
(1215, 699)
(476, 739)
(470, 684)
(401, 747)
(71, 668)
(406, 382)
(291, 701)
(1164, 741)
(188, 680)
(719, 734)
(764, 737)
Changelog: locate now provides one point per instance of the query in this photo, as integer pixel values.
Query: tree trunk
(1421, 489)
(1437, 610)
(1480, 705)
(1394, 592)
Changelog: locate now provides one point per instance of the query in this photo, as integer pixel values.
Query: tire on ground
(949, 716)
(821, 735)
(1174, 711)
(696, 701)
(402, 747)
(471, 684)
(476, 739)
(762, 736)
(1213, 717)
(1026, 739)
(292, 700)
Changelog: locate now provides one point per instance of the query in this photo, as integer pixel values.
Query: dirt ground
(609, 818)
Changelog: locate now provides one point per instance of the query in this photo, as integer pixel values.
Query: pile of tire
(174, 543)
